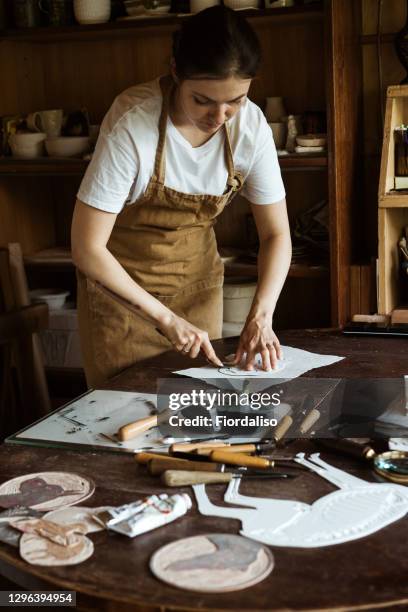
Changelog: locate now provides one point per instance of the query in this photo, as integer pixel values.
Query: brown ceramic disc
(40, 551)
(45, 491)
(212, 563)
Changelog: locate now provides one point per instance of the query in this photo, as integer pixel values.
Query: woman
(171, 155)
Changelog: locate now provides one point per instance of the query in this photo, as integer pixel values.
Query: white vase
(92, 11)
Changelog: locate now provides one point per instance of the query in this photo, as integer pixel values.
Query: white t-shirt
(123, 161)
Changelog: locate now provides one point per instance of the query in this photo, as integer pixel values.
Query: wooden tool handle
(158, 466)
(309, 420)
(234, 448)
(144, 458)
(131, 430)
(360, 451)
(240, 459)
(188, 447)
(282, 428)
(182, 478)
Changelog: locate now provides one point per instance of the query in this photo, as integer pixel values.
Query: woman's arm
(274, 259)
(90, 232)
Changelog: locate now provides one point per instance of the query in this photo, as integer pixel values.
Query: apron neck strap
(168, 87)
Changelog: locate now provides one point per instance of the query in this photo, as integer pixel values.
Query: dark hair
(216, 43)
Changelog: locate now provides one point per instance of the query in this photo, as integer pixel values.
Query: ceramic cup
(274, 109)
(27, 146)
(279, 133)
(48, 121)
(92, 11)
(199, 5)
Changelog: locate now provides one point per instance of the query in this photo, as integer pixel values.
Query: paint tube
(157, 510)
(109, 517)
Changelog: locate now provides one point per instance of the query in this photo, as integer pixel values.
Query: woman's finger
(278, 348)
(250, 360)
(266, 360)
(210, 353)
(272, 352)
(195, 348)
(238, 356)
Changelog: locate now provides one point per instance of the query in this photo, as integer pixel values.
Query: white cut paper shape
(356, 510)
(294, 363)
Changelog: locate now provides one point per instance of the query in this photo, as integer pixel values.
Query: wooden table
(365, 574)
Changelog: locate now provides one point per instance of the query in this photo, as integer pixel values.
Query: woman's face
(209, 103)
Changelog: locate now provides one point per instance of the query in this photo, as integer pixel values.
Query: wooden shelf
(297, 270)
(125, 27)
(42, 167)
(76, 167)
(394, 199)
(303, 161)
(62, 257)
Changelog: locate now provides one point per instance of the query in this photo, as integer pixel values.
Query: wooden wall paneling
(292, 56)
(393, 14)
(27, 213)
(344, 99)
(92, 73)
(21, 78)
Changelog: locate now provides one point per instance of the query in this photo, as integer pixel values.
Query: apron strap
(159, 172)
(235, 179)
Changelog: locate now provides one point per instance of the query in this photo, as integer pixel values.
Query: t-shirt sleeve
(111, 173)
(263, 184)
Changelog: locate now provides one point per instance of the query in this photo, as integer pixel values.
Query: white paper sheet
(84, 422)
(295, 362)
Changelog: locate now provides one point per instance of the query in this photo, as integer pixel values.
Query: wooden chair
(24, 393)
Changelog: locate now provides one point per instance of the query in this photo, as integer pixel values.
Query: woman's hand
(258, 337)
(189, 339)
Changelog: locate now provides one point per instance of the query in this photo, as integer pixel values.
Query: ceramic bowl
(67, 146)
(241, 4)
(55, 298)
(28, 145)
(311, 140)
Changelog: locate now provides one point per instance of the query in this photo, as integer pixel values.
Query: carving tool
(240, 459)
(144, 458)
(392, 465)
(182, 478)
(158, 466)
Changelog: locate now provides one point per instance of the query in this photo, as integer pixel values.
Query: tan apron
(166, 242)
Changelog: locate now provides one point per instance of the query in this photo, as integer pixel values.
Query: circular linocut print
(40, 551)
(45, 490)
(214, 563)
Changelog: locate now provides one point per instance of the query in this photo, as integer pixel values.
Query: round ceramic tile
(45, 490)
(213, 563)
(77, 514)
(40, 551)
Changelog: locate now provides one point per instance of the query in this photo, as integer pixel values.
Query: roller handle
(131, 430)
(234, 448)
(189, 447)
(182, 478)
(240, 459)
(282, 428)
(144, 458)
(360, 451)
(310, 419)
(158, 466)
